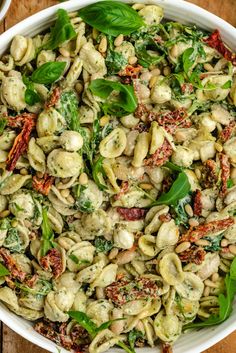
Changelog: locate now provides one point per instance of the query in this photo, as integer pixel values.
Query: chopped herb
(102, 244)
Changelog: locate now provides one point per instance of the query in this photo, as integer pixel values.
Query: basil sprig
(48, 72)
(111, 17)
(3, 123)
(225, 302)
(47, 234)
(31, 96)
(123, 104)
(61, 32)
(179, 189)
(3, 271)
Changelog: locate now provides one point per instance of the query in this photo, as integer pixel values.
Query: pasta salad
(118, 178)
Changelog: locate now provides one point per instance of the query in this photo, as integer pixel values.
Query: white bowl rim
(4, 8)
(210, 21)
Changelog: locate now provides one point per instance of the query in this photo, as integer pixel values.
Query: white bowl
(4, 6)
(178, 10)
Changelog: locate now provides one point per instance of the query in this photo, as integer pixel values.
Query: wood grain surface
(10, 342)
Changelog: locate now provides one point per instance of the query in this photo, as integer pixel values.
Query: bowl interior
(4, 6)
(181, 11)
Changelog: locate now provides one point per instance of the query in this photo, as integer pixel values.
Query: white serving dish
(181, 11)
(4, 6)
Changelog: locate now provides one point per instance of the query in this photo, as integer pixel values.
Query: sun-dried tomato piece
(225, 172)
(161, 155)
(31, 280)
(19, 120)
(11, 265)
(210, 174)
(53, 261)
(202, 230)
(193, 254)
(124, 290)
(131, 71)
(215, 41)
(131, 214)
(227, 132)
(54, 98)
(57, 333)
(140, 111)
(187, 88)
(43, 185)
(197, 203)
(123, 189)
(21, 141)
(165, 218)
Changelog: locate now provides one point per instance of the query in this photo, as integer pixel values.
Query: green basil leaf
(48, 72)
(233, 269)
(3, 271)
(3, 123)
(103, 245)
(69, 109)
(47, 234)
(174, 167)
(124, 346)
(133, 336)
(230, 183)
(111, 17)
(179, 189)
(227, 85)
(98, 173)
(123, 104)
(61, 32)
(31, 97)
(188, 58)
(84, 321)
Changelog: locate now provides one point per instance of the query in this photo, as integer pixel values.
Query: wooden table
(10, 342)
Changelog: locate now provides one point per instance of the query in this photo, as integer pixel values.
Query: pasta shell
(168, 234)
(167, 327)
(64, 164)
(147, 244)
(171, 269)
(157, 137)
(50, 122)
(106, 277)
(80, 256)
(13, 93)
(191, 288)
(36, 156)
(13, 183)
(114, 144)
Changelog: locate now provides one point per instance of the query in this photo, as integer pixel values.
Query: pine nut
(70, 199)
(232, 249)
(146, 76)
(14, 223)
(206, 292)
(223, 267)
(60, 185)
(132, 60)
(156, 72)
(83, 179)
(193, 222)
(100, 293)
(79, 87)
(95, 33)
(113, 253)
(146, 186)
(4, 213)
(104, 120)
(189, 210)
(224, 243)
(215, 277)
(218, 147)
(153, 81)
(78, 215)
(39, 175)
(227, 255)
(208, 67)
(202, 242)
(103, 45)
(119, 40)
(198, 173)
(24, 171)
(138, 6)
(182, 247)
(210, 284)
(166, 71)
(65, 193)
(64, 52)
